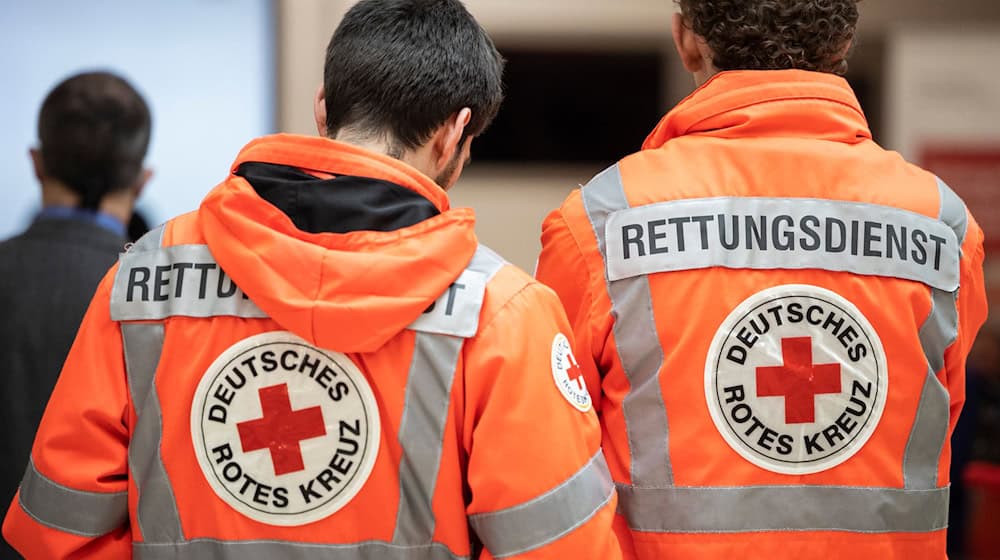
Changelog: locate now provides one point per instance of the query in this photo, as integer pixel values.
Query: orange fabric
(510, 436)
(762, 134)
(362, 287)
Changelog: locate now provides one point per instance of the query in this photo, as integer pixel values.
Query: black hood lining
(343, 204)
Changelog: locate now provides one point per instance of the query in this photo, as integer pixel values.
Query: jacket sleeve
(563, 267)
(972, 311)
(73, 501)
(539, 484)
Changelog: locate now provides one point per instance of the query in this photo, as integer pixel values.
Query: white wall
(204, 66)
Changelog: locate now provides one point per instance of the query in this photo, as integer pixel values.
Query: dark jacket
(47, 276)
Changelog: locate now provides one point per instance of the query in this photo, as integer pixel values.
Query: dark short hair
(775, 34)
(400, 68)
(94, 130)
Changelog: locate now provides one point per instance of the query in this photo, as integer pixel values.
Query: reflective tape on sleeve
(782, 233)
(784, 508)
(87, 514)
(549, 517)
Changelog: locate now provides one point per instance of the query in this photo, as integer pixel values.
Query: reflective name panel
(782, 233)
(182, 280)
(456, 311)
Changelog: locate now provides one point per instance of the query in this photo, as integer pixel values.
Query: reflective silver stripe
(784, 508)
(207, 549)
(182, 280)
(953, 211)
(486, 261)
(158, 518)
(150, 241)
(638, 345)
(421, 433)
(425, 413)
(547, 518)
(939, 331)
(88, 514)
(786, 233)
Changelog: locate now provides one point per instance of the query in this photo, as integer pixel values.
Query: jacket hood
(343, 247)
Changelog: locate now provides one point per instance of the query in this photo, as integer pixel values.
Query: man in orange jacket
(321, 361)
(777, 311)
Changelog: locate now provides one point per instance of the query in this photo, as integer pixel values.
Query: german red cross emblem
(568, 374)
(798, 380)
(795, 379)
(285, 433)
(281, 429)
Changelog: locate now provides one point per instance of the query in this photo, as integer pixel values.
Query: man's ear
(140, 183)
(319, 110)
(36, 163)
(448, 139)
(686, 43)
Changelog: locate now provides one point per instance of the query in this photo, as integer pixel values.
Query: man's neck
(415, 158)
(119, 205)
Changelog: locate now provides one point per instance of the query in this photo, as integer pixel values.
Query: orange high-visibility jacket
(320, 362)
(777, 312)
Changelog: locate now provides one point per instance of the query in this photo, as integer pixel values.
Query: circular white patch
(796, 379)
(567, 374)
(285, 433)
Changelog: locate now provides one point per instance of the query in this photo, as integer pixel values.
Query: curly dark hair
(775, 34)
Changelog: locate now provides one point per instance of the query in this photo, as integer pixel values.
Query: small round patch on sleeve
(568, 375)
(285, 433)
(796, 379)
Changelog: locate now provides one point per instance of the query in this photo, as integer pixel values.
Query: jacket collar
(96, 217)
(315, 153)
(760, 103)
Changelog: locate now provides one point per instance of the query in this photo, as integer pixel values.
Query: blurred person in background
(976, 477)
(776, 310)
(93, 131)
(322, 361)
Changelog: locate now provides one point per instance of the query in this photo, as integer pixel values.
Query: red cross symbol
(798, 380)
(281, 429)
(574, 372)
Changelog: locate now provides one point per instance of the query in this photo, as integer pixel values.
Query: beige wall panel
(512, 202)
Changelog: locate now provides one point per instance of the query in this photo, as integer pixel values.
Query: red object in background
(983, 482)
(973, 173)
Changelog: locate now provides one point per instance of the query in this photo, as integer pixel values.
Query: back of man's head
(775, 34)
(94, 129)
(397, 69)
